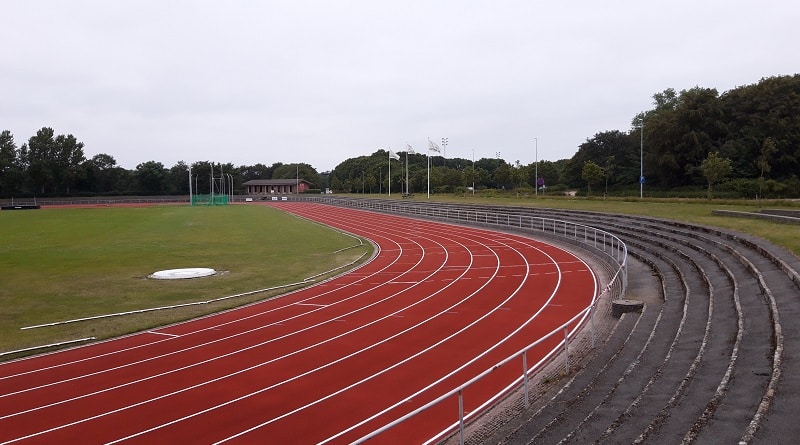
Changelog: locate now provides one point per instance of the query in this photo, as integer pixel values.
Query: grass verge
(62, 264)
(696, 211)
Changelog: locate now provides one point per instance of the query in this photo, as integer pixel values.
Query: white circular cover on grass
(178, 274)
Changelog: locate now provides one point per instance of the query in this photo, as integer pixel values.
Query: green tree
(623, 147)
(547, 170)
(502, 177)
(680, 138)
(9, 165)
(52, 163)
(753, 113)
(490, 166)
(301, 170)
(201, 177)
(608, 170)
(66, 162)
(151, 177)
(519, 173)
(177, 179)
(666, 100)
(36, 160)
(592, 174)
(101, 174)
(257, 171)
(768, 149)
(715, 169)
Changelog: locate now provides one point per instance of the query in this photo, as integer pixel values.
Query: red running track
(330, 363)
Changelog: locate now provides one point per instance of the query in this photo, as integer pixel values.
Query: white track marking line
(184, 350)
(215, 358)
(501, 308)
(240, 371)
(213, 327)
(163, 333)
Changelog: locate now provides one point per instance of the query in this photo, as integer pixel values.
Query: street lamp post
(473, 172)
(190, 184)
(444, 147)
(536, 168)
(641, 158)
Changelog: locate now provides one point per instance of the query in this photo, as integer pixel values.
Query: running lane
(326, 364)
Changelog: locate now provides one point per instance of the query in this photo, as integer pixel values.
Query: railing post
(525, 377)
(566, 349)
(461, 416)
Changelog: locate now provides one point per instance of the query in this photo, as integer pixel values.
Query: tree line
(742, 143)
(55, 165)
(745, 141)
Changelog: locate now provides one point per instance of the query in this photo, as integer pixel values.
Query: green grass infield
(60, 264)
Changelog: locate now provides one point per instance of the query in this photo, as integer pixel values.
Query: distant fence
(97, 201)
(209, 200)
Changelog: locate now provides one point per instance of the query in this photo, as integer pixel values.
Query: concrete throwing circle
(179, 274)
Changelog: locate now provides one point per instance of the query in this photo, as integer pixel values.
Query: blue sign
(641, 179)
(540, 181)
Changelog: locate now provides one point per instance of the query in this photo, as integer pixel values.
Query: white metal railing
(603, 242)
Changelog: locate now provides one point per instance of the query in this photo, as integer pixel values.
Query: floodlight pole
(221, 180)
(406, 171)
(190, 184)
(429, 168)
(473, 172)
(536, 169)
(641, 158)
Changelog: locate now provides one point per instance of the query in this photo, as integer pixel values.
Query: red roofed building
(275, 186)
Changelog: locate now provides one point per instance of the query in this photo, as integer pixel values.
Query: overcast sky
(318, 82)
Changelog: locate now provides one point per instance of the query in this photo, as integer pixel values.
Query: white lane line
(163, 333)
(197, 364)
(153, 358)
(315, 370)
(132, 348)
(229, 402)
(61, 343)
(558, 284)
(213, 327)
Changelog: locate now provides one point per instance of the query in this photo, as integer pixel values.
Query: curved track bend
(326, 364)
(714, 358)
